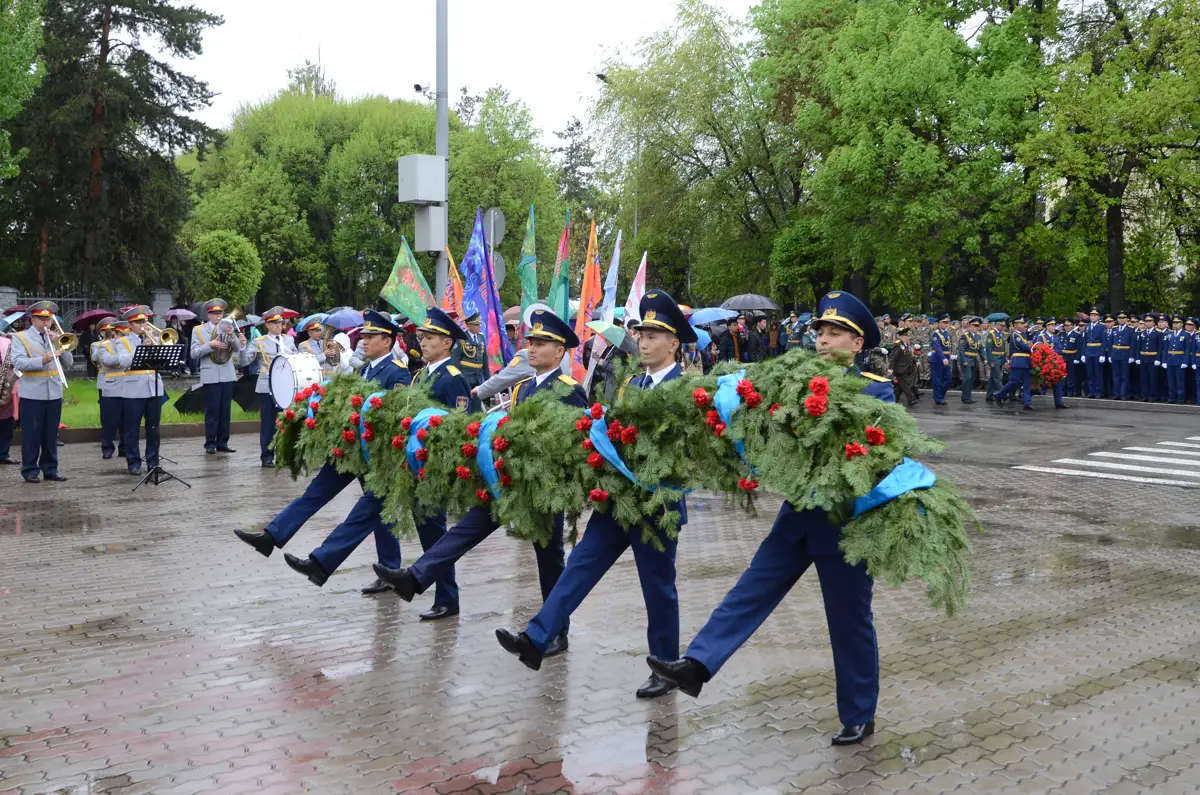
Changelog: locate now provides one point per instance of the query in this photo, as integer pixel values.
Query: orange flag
(590, 296)
(452, 296)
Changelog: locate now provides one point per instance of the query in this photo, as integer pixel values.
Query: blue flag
(480, 295)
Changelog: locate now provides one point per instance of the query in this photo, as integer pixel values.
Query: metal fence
(74, 301)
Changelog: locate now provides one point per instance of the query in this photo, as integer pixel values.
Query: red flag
(590, 296)
(452, 296)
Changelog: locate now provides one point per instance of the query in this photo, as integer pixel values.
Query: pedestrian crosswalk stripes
(1165, 464)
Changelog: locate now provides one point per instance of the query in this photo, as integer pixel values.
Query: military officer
(994, 352)
(903, 365)
(1019, 367)
(36, 349)
(142, 393)
(549, 338)
(265, 349)
(797, 540)
(364, 519)
(470, 355)
(310, 333)
(1095, 341)
(1072, 341)
(1177, 356)
(217, 379)
(1147, 360)
(939, 359)
(1053, 337)
(108, 385)
(1121, 351)
(663, 331)
(795, 333)
(970, 345)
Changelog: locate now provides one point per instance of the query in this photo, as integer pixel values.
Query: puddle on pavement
(52, 517)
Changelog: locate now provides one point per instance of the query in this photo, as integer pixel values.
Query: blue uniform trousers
(217, 398)
(1072, 377)
(968, 378)
(1149, 379)
(940, 375)
(777, 565)
(133, 410)
(1023, 378)
(1176, 384)
(111, 438)
(1120, 379)
(1058, 393)
(1196, 373)
(6, 435)
(470, 530)
(39, 436)
(996, 377)
(267, 413)
(1095, 375)
(604, 540)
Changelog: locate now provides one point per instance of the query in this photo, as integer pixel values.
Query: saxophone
(8, 374)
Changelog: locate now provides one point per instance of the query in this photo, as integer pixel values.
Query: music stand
(161, 359)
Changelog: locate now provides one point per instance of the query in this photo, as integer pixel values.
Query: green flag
(406, 289)
(560, 285)
(527, 269)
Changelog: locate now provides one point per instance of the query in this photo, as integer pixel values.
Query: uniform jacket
(1151, 347)
(940, 342)
(447, 385)
(38, 381)
(1095, 340)
(265, 349)
(970, 348)
(389, 374)
(470, 356)
(901, 359)
(1121, 343)
(1177, 348)
(529, 386)
(135, 383)
(210, 371)
(1018, 343)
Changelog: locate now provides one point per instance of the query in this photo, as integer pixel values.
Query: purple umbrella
(344, 319)
(182, 315)
(89, 317)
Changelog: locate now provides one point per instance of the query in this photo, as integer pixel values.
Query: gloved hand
(1139, 361)
(946, 362)
(1183, 367)
(1101, 360)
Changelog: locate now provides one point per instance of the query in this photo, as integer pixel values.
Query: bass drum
(290, 373)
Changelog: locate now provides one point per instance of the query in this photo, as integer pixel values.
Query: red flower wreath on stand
(1047, 365)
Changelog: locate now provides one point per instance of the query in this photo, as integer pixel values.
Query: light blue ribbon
(314, 398)
(419, 423)
(726, 401)
(907, 476)
(484, 458)
(600, 440)
(362, 423)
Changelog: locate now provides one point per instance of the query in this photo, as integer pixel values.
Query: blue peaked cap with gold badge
(545, 325)
(660, 313)
(846, 310)
(438, 322)
(378, 323)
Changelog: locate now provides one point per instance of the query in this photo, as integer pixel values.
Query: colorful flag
(636, 291)
(452, 296)
(480, 295)
(589, 298)
(560, 285)
(406, 289)
(527, 268)
(609, 307)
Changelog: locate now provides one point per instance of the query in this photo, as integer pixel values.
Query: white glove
(1139, 361)
(954, 358)
(1101, 360)
(946, 362)
(1183, 367)
(1157, 362)
(1076, 362)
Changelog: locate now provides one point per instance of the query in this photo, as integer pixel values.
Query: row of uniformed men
(797, 540)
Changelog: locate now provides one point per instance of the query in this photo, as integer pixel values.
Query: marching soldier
(1072, 343)
(142, 392)
(1019, 367)
(994, 351)
(265, 349)
(970, 344)
(108, 385)
(939, 359)
(41, 391)
(664, 330)
(904, 367)
(217, 378)
(1121, 345)
(1053, 337)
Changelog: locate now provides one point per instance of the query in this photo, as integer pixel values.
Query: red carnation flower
(712, 418)
(462, 472)
(595, 460)
(435, 421)
(339, 452)
(348, 435)
(483, 494)
(356, 401)
(502, 422)
(747, 485)
(701, 397)
(321, 391)
(469, 450)
(398, 441)
(376, 402)
(506, 480)
(311, 424)
(855, 449)
(421, 475)
(819, 386)
(473, 430)
(314, 406)
(753, 399)
(289, 415)
(498, 465)
(875, 436)
(774, 408)
(355, 418)
(629, 435)
(598, 495)
(422, 435)
(614, 432)
(422, 454)
(816, 405)
(718, 429)
(500, 444)
(368, 436)
(587, 444)
(597, 411)
(744, 387)
(583, 424)
(279, 424)
(368, 427)
(406, 423)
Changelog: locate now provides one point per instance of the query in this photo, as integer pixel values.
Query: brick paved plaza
(144, 650)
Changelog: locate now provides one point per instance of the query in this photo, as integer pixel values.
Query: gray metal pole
(443, 134)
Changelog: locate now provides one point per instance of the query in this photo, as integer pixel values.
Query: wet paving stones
(144, 650)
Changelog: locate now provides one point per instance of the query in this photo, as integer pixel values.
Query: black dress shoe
(107, 456)
(438, 612)
(263, 542)
(135, 471)
(1030, 408)
(557, 646)
(379, 586)
(522, 646)
(268, 464)
(210, 451)
(6, 461)
(685, 673)
(33, 479)
(56, 478)
(1062, 406)
(405, 585)
(308, 567)
(654, 687)
(850, 735)
(226, 450)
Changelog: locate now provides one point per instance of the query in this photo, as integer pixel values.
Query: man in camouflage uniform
(922, 336)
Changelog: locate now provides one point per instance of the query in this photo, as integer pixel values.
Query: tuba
(225, 333)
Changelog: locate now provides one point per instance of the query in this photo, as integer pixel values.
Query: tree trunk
(1114, 223)
(93, 214)
(43, 246)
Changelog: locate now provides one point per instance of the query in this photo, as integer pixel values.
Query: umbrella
(243, 392)
(711, 314)
(89, 317)
(192, 401)
(7, 321)
(512, 314)
(614, 335)
(703, 339)
(344, 319)
(288, 314)
(249, 320)
(22, 308)
(180, 314)
(750, 302)
(992, 318)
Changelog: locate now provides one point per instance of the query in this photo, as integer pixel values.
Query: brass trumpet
(65, 341)
(160, 336)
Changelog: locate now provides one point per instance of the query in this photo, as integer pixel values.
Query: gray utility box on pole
(423, 183)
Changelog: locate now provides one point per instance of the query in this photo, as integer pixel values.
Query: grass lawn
(81, 407)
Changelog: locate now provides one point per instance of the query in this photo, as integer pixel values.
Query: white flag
(609, 306)
(636, 291)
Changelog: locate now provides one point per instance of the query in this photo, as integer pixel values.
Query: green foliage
(228, 266)
(20, 71)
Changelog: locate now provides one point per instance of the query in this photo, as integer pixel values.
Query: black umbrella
(749, 302)
(243, 392)
(191, 402)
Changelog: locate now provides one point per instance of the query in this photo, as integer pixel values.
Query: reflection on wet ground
(144, 650)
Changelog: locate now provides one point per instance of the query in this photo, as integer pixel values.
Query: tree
(311, 80)
(228, 266)
(20, 72)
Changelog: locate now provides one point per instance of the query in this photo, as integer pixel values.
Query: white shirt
(431, 366)
(538, 379)
(376, 362)
(656, 378)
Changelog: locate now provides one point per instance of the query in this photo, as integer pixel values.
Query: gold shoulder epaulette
(453, 370)
(397, 362)
(568, 380)
(521, 383)
(880, 378)
(515, 361)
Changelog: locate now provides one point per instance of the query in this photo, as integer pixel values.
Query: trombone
(64, 342)
(161, 336)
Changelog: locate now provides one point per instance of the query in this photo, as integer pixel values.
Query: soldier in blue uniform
(364, 519)
(1193, 383)
(1019, 366)
(970, 345)
(1148, 359)
(994, 350)
(1072, 340)
(1053, 337)
(470, 355)
(1095, 342)
(1164, 330)
(663, 331)
(797, 540)
(34, 352)
(939, 359)
(1176, 358)
(549, 338)
(1121, 351)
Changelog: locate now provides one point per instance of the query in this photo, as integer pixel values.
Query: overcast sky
(545, 52)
